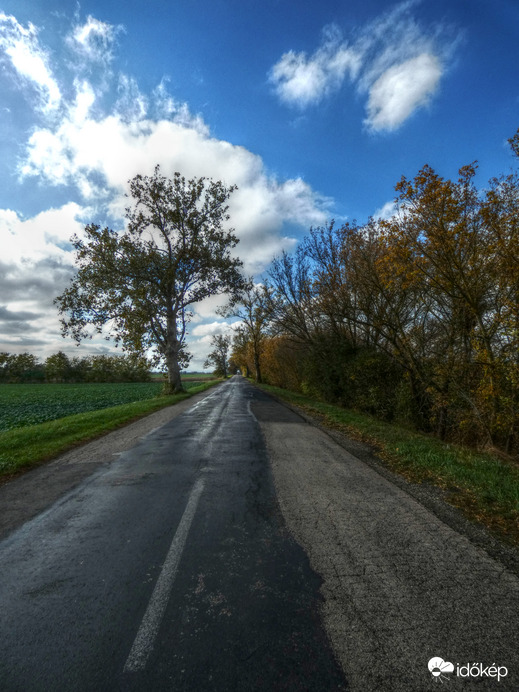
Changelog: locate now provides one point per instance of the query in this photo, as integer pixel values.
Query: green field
(28, 404)
(47, 419)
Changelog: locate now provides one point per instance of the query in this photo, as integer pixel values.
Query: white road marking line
(150, 624)
(249, 410)
(150, 432)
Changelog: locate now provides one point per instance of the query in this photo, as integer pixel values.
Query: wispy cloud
(400, 90)
(302, 80)
(28, 60)
(393, 61)
(94, 40)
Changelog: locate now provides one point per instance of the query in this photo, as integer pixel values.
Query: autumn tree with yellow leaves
(415, 317)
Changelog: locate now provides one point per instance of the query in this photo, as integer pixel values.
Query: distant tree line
(414, 319)
(25, 367)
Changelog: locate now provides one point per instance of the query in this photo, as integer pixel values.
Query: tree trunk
(173, 384)
(257, 368)
(420, 411)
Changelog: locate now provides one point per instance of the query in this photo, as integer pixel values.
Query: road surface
(238, 548)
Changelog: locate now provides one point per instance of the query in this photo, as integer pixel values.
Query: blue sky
(315, 112)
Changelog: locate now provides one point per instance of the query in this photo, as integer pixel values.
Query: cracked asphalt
(400, 586)
(287, 562)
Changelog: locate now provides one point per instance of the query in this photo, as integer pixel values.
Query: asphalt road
(169, 569)
(238, 548)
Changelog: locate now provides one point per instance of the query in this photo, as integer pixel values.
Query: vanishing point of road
(236, 547)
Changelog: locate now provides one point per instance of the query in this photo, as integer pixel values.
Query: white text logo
(439, 669)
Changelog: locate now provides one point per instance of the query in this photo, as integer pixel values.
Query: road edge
(428, 495)
(28, 494)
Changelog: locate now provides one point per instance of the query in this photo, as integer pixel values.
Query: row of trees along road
(26, 367)
(414, 319)
(218, 358)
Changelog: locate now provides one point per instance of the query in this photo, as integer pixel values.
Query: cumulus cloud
(28, 60)
(210, 329)
(42, 237)
(200, 340)
(302, 80)
(99, 156)
(37, 264)
(395, 62)
(386, 212)
(105, 131)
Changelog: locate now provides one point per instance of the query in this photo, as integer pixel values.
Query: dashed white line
(143, 644)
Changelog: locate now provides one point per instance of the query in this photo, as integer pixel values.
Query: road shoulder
(430, 496)
(400, 585)
(26, 496)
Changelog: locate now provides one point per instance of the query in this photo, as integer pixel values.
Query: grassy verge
(23, 448)
(483, 486)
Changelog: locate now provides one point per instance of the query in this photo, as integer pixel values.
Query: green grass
(484, 486)
(29, 404)
(24, 447)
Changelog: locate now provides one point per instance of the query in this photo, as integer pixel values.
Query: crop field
(40, 421)
(28, 404)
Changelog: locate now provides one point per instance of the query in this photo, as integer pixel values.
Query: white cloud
(393, 60)
(132, 105)
(401, 90)
(30, 62)
(210, 329)
(92, 150)
(36, 265)
(44, 236)
(386, 211)
(85, 99)
(94, 40)
(99, 156)
(302, 80)
(200, 341)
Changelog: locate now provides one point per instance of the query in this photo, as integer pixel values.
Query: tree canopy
(218, 358)
(414, 318)
(138, 285)
(251, 306)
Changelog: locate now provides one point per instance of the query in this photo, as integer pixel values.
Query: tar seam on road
(150, 624)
